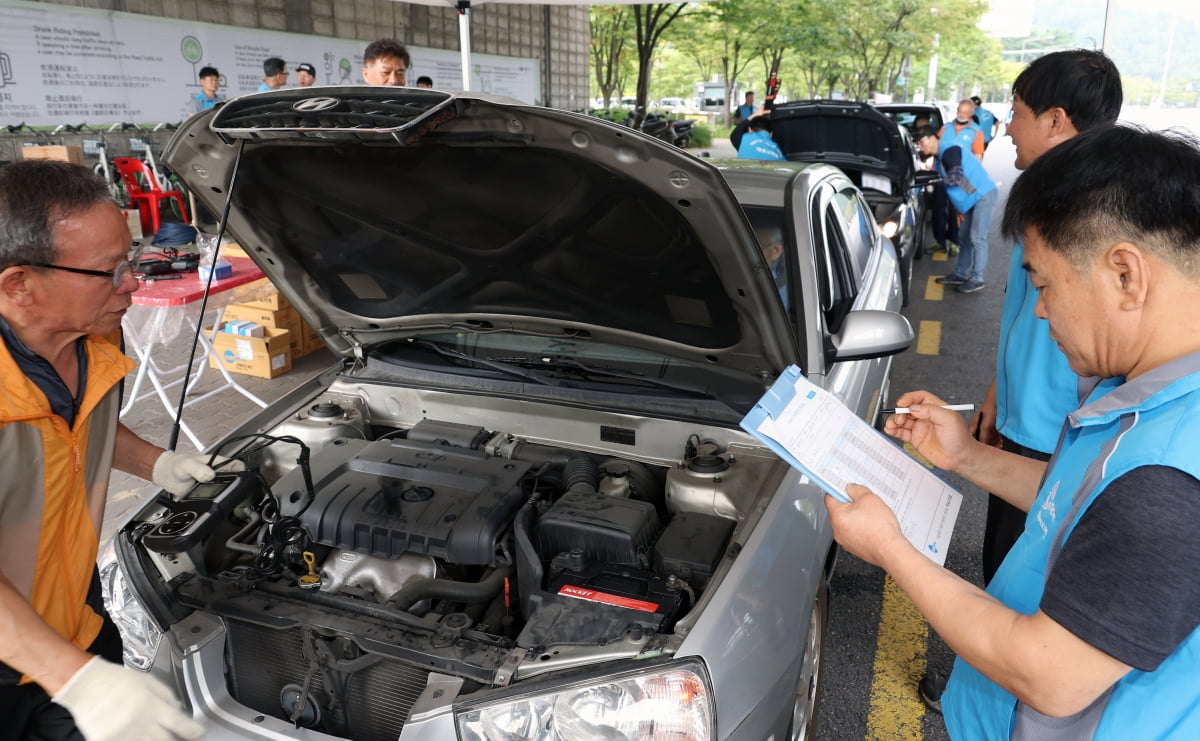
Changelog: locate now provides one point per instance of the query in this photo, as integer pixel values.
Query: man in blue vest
(1091, 627)
(965, 133)
(1033, 387)
(986, 120)
(973, 194)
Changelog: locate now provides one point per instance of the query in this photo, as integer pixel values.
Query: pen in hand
(951, 407)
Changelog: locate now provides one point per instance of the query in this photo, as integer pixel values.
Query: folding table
(160, 310)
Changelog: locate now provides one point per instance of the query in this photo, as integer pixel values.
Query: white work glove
(179, 472)
(110, 701)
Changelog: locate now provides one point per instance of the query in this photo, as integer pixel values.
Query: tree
(610, 34)
(650, 21)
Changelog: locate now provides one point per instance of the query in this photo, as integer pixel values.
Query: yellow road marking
(929, 337)
(934, 290)
(896, 710)
(920, 458)
(940, 256)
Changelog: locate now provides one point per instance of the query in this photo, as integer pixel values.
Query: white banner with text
(73, 65)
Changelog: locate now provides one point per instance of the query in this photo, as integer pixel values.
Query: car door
(857, 270)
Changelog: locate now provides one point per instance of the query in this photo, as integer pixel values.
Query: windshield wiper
(490, 363)
(571, 364)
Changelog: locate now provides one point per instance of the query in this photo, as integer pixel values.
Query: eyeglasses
(125, 268)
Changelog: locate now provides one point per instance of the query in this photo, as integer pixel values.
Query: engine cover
(391, 497)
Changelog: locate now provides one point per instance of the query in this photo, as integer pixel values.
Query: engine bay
(447, 546)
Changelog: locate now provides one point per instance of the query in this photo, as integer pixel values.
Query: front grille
(332, 112)
(262, 661)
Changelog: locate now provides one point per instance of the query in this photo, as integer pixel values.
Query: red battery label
(592, 595)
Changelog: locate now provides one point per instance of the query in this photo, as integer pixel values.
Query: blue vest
(965, 138)
(1144, 422)
(987, 122)
(758, 145)
(977, 184)
(1035, 386)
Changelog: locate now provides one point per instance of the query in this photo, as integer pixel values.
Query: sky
(1012, 18)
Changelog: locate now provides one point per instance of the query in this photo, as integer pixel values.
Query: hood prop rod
(186, 385)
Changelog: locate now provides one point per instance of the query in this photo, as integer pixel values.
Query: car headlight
(671, 702)
(889, 228)
(139, 632)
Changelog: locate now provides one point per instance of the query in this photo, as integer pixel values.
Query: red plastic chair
(145, 193)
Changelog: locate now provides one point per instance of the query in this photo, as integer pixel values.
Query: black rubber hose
(456, 591)
(579, 473)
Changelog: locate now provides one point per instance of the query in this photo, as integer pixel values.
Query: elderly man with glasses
(66, 279)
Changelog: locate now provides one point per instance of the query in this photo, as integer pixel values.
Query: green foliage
(702, 136)
(616, 115)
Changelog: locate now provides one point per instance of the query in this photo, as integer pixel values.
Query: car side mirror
(926, 177)
(871, 333)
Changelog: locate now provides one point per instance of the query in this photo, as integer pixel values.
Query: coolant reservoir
(316, 426)
(701, 484)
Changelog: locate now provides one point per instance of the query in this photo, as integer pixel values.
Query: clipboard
(813, 431)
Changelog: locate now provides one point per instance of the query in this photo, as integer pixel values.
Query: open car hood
(387, 213)
(843, 133)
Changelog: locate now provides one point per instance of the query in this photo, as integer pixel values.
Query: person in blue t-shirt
(745, 110)
(210, 82)
(275, 74)
(752, 137)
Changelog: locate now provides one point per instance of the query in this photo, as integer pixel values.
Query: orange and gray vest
(54, 488)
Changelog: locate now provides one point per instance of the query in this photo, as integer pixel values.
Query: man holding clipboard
(1091, 627)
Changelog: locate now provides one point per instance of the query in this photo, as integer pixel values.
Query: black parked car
(875, 152)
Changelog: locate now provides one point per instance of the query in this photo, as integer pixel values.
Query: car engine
(351, 559)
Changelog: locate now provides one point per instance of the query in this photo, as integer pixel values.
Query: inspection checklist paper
(808, 427)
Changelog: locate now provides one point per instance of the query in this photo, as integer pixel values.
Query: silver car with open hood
(520, 506)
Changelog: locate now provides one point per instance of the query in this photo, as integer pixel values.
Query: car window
(908, 119)
(776, 249)
(838, 285)
(860, 231)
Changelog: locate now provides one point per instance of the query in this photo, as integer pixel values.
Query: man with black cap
(306, 75)
(274, 74)
(986, 120)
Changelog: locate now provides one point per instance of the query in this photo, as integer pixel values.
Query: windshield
(580, 364)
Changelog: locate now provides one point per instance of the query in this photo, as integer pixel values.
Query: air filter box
(608, 529)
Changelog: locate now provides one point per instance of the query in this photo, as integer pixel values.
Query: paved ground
(213, 417)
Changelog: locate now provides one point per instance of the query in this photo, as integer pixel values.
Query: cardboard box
(311, 341)
(271, 318)
(264, 357)
(261, 294)
(233, 249)
(53, 152)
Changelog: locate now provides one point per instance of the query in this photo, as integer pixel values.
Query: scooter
(658, 126)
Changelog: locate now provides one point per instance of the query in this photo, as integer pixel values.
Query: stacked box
(53, 152)
(260, 294)
(233, 249)
(273, 319)
(263, 357)
(310, 341)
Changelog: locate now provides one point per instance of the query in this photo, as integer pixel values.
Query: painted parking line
(929, 337)
(896, 710)
(934, 290)
(939, 256)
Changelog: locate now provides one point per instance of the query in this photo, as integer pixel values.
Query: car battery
(691, 545)
(632, 589)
